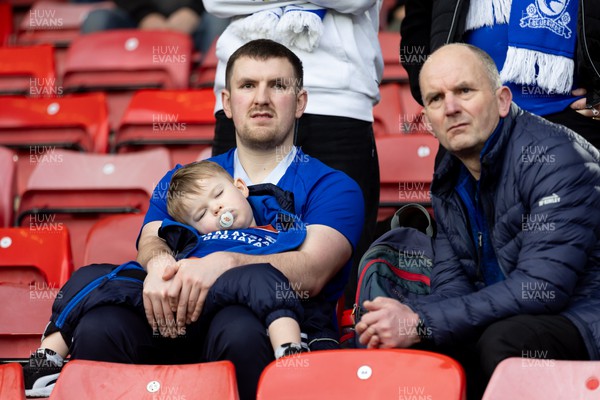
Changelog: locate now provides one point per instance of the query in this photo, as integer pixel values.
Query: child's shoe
(41, 372)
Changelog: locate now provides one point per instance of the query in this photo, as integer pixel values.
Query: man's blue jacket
(540, 192)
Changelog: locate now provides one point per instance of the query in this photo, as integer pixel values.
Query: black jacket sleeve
(415, 34)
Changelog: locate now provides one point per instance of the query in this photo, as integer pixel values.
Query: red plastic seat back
(544, 379)
(25, 314)
(11, 382)
(112, 239)
(35, 126)
(55, 23)
(28, 71)
(77, 121)
(93, 380)
(363, 374)
(6, 23)
(393, 71)
(40, 255)
(205, 74)
(77, 189)
(180, 120)
(397, 112)
(128, 59)
(8, 177)
(406, 164)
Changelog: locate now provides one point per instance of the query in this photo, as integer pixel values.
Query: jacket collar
(447, 172)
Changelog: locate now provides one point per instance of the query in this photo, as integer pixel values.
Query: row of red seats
(180, 120)
(74, 190)
(332, 374)
(125, 59)
(329, 374)
(406, 164)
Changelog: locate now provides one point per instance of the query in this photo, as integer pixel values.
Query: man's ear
(226, 99)
(241, 185)
(504, 96)
(301, 101)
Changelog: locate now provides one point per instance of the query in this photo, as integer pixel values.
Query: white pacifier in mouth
(226, 219)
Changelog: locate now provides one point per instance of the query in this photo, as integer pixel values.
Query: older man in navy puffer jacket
(517, 202)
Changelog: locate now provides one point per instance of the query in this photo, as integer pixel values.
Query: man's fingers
(199, 305)
(578, 104)
(169, 320)
(373, 342)
(183, 306)
(170, 271)
(149, 310)
(173, 294)
(361, 327)
(192, 303)
(367, 334)
(375, 304)
(159, 315)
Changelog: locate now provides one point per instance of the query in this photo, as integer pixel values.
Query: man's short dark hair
(264, 49)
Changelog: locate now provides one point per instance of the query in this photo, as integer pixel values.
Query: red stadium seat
(6, 23)
(393, 71)
(397, 112)
(34, 264)
(28, 71)
(128, 59)
(38, 126)
(112, 239)
(122, 61)
(205, 154)
(8, 184)
(406, 164)
(11, 382)
(77, 122)
(544, 379)
(55, 23)
(363, 374)
(204, 77)
(180, 120)
(77, 189)
(40, 255)
(25, 312)
(94, 380)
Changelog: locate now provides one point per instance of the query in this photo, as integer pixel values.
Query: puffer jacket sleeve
(547, 220)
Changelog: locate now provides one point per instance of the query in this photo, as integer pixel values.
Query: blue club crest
(548, 14)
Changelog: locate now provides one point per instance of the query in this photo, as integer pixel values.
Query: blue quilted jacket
(540, 191)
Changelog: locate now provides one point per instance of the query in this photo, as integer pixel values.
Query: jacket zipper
(453, 21)
(479, 255)
(86, 290)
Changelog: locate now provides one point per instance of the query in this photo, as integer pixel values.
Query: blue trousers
(238, 308)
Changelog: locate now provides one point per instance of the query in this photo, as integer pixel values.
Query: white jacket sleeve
(234, 8)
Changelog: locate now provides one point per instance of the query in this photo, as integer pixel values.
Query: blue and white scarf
(542, 37)
(299, 25)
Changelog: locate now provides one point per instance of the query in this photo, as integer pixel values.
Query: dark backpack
(399, 263)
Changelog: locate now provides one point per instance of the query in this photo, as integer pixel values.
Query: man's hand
(581, 107)
(153, 21)
(190, 280)
(155, 295)
(183, 20)
(388, 324)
